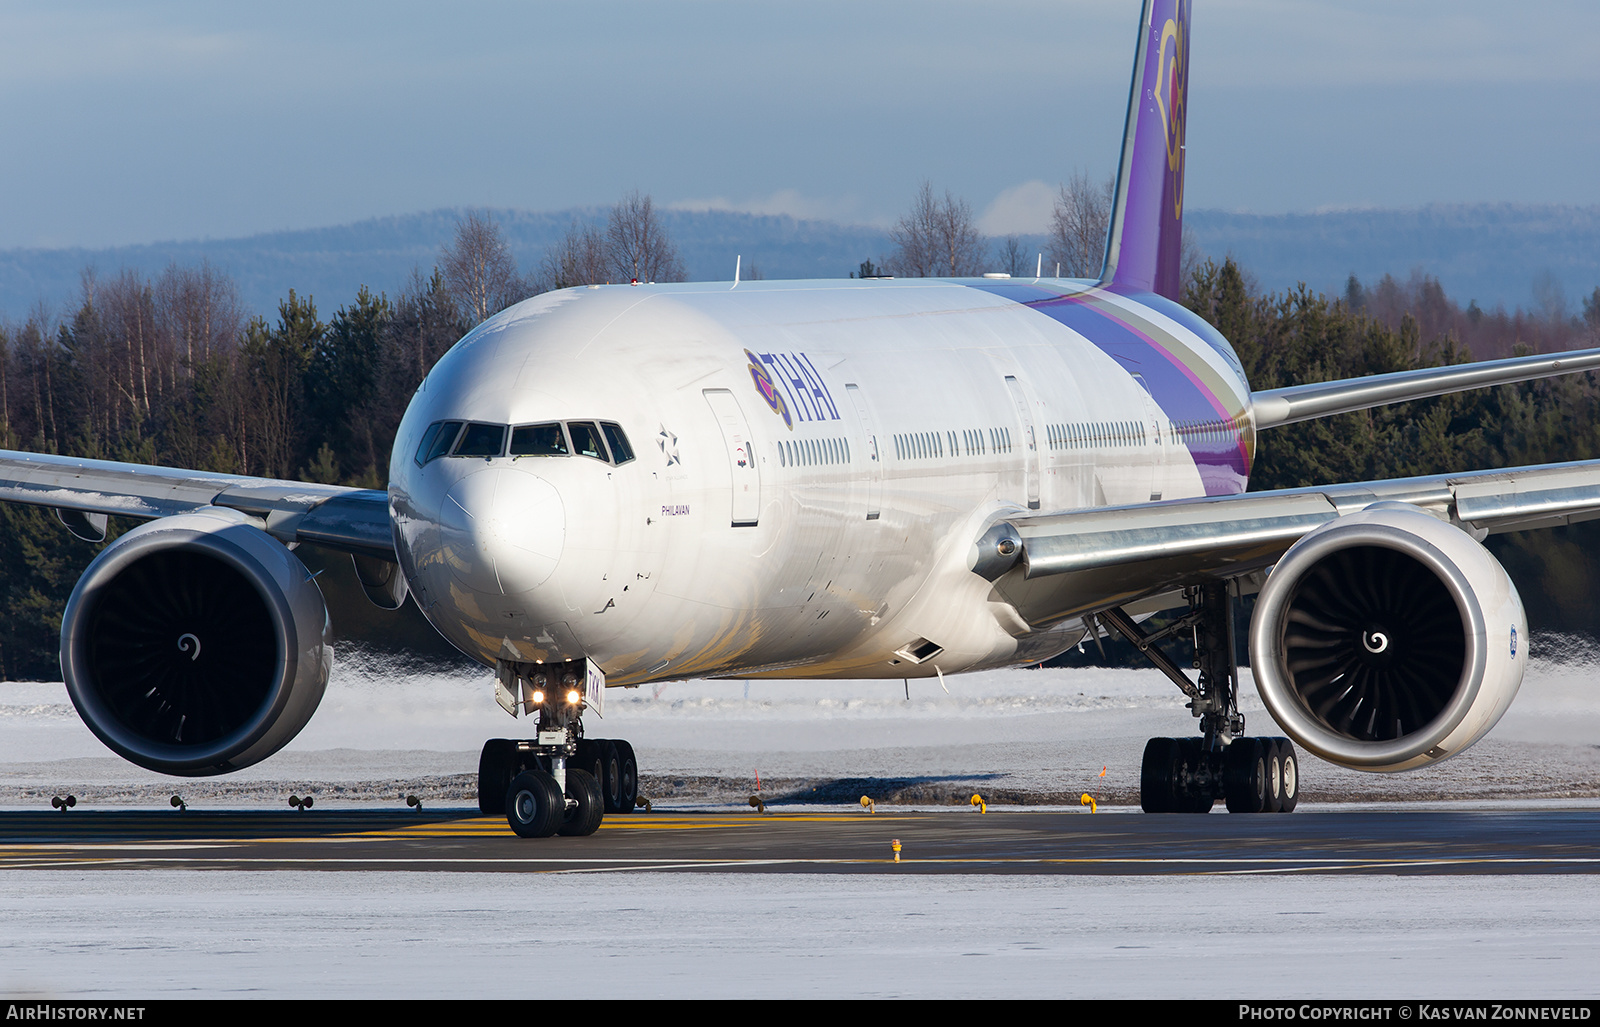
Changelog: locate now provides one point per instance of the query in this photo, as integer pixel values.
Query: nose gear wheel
(534, 804)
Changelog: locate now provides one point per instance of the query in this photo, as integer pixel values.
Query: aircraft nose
(502, 530)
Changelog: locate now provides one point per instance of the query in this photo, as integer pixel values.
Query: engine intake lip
(1269, 650)
(226, 543)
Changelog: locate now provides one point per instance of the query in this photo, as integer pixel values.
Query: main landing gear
(1188, 775)
(558, 782)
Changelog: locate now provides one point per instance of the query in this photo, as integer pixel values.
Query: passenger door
(1030, 443)
(743, 467)
(869, 449)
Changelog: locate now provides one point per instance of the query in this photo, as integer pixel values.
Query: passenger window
(621, 452)
(482, 440)
(438, 440)
(586, 439)
(539, 440)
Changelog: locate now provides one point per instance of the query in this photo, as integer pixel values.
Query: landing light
(538, 697)
(573, 696)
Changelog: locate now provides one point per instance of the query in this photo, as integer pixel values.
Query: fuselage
(786, 479)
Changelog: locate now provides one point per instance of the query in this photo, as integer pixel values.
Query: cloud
(1021, 210)
(784, 201)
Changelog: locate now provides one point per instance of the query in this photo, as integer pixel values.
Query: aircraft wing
(1071, 562)
(1273, 407)
(84, 492)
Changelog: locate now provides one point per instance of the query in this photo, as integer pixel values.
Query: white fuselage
(813, 463)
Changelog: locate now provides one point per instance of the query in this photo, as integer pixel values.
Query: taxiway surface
(1480, 841)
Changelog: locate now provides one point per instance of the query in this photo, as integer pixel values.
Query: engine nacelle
(196, 644)
(1387, 639)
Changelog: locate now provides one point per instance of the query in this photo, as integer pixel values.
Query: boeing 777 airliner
(608, 486)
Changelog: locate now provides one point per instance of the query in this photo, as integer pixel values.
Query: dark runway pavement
(1511, 841)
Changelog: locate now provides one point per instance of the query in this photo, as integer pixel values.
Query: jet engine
(1387, 639)
(196, 644)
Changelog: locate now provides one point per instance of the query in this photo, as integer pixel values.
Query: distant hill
(330, 264)
(1494, 253)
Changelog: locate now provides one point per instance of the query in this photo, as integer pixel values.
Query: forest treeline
(170, 370)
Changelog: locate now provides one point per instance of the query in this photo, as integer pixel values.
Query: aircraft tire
(610, 774)
(1191, 758)
(1272, 759)
(1290, 796)
(1156, 776)
(534, 804)
(495, 770)
(1244, 776)
(589, 759)
(583, 817)
(627, 777)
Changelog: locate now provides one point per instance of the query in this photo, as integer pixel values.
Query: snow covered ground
(172, 934)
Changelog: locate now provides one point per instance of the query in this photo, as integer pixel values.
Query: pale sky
(138, 122)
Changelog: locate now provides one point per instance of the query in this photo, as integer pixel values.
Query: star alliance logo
(669, 446)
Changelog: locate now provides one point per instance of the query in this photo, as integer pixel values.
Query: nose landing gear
(558, 782)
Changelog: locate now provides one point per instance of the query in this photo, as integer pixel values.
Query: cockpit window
(428, 436)
(539, 440)
(586, 439)
(437, 440)
(482, 440)
(601, 440)
(621, 452)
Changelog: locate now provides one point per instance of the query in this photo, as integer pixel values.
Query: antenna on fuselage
(736, 259)
(1038, 271)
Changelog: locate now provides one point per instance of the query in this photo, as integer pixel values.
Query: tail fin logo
(1172, 86)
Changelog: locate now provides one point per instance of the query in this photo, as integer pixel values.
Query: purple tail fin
(1145, 244)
